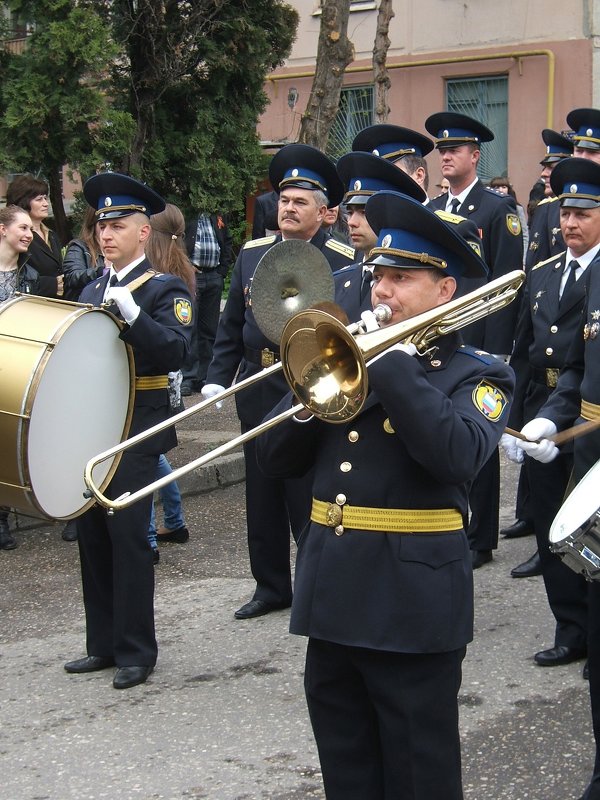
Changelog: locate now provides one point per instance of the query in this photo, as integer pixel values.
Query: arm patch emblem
(513, 223)
(489, 400)
(183, 310)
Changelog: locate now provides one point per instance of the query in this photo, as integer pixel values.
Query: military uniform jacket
(348, 284)
(545, 237)
(240, 341)
(425, 431)
(160, 342)
(580, 379)
(496, 217)
(545, 333)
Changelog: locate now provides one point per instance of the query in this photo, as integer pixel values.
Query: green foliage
(168, 90)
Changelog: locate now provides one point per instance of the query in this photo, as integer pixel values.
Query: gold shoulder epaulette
(340, 247)
(548, 260)
(258, 242)
(547, 200)
(448, 216)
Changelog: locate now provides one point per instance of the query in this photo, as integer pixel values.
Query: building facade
(518, 65)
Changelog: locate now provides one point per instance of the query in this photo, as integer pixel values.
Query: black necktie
(365, 286)
(114, 281)
(570, 279)
(454, 205)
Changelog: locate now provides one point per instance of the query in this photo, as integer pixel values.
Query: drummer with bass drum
(116, 560)
(576, 399)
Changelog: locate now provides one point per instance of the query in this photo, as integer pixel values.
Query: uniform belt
(548, 377)
(589, 411)
(152, 382)
(264, 357)
(388, 520)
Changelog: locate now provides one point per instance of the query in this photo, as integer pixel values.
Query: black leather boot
(6, 540)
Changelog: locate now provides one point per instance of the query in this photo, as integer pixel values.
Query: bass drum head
(578, 508)
(80, 409)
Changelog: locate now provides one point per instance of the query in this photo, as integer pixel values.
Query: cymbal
(291, 277)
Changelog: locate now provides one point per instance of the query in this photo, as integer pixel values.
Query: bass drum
(575, 531)
(66, 394)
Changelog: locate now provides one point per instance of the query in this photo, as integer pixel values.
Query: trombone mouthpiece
(382, 313)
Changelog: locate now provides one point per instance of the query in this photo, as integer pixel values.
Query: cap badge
(573, 188)
(445, 134)
(589, 132)
(294, 173)
(375, 152)
(548, 150)
(357, 186)
(387, 240)
(108, 202)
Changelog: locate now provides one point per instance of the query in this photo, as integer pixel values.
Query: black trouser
(386, 724)
(484, 501)
(565, 589)
(117, 570)
(273, 508)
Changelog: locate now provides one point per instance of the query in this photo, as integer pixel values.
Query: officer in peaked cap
(549, 323)
(545, 237)
(459, 139)
(307, 183)
(115, 195)
(386, 525)
(402, 146)
(304, 167)
(363, 174)
(585, 122)
(116, 560)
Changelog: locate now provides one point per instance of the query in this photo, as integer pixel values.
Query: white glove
(213, 390)
(539, 446)
(409, 349)
(124, 299)
(510, 445)
(369, 321)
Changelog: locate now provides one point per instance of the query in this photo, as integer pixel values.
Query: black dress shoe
(529, 568)
(89, 664)
(256, 608)
(558, 655)
(186, 390)
(155, 555)
(69, 533)
(126, 677)
(7, 541)
(179, 535)
(480, 557)
(519, 528)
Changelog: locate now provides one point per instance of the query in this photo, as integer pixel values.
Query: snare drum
(575, 531)
(66, 394)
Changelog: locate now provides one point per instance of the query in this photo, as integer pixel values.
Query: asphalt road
(223, 716)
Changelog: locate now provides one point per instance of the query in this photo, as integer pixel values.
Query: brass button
(436, 362)
(549, 351)
(554, 329)
(353, 436)
(387, 426)
(339, 530)
(345, 466)
(340, 499)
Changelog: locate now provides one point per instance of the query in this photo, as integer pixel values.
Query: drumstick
(564, 436)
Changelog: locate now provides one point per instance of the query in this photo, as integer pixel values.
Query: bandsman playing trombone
(384, 583)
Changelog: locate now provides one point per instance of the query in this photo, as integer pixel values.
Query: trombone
(325, 365)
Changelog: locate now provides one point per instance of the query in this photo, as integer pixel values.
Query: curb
(222, 472)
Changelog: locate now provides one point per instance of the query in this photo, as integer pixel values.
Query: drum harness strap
(147, 381)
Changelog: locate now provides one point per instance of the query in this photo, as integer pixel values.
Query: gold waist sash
(388, 520)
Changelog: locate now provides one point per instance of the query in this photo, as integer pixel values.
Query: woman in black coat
(44, 253)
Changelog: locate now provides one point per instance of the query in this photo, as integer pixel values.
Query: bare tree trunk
(380, 51)
(61, 225)
(334, 53)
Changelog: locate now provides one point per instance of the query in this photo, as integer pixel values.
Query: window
(484, 99)
(355, 112)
